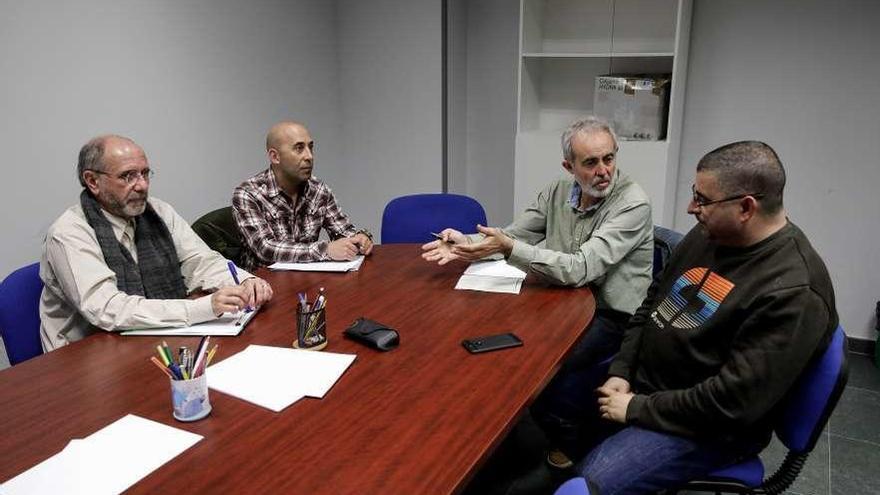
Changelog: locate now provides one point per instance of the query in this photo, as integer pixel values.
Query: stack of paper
(229, 324)
(276, 377)
(321, 266)
(107, 461)
(492, 276)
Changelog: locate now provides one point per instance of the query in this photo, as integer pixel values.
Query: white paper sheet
(495, 268)
(492, 276)
(489, 284)
(107, 462)
(230, 324)
(321, 266)
(276, 377)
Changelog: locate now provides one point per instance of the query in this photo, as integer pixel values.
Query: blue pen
(234, 274)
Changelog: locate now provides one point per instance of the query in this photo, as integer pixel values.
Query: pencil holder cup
(189, 398)
(311, 329)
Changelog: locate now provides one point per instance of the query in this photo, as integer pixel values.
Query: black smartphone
(491, 343)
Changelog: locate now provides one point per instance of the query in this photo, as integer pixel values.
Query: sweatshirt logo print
(689, 305)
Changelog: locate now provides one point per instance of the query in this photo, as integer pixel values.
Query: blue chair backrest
(413, 218)
(574, 486)
(811, 401)
(20, 313)
(665, 241)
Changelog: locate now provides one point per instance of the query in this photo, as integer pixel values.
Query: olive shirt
(609, 245)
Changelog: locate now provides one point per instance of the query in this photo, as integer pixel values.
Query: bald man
(121, 260)
(280, 211)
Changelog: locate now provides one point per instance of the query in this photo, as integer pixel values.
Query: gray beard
(601, 194)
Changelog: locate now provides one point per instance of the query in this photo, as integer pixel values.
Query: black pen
(438, 236)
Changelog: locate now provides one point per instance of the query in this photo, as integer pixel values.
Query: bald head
(282, 132)
(91, 155)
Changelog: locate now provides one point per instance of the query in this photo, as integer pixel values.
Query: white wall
(801, 76)
(390, 78)
(196, 83)
(484, 51)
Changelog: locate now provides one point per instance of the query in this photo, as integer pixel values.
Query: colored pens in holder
(311, 327)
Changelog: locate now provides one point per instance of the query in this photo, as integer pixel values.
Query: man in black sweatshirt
(741, 308)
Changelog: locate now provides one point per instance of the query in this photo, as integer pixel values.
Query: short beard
(601, 193)
(124, 210)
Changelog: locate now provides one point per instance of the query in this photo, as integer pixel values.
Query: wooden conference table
(419, 419)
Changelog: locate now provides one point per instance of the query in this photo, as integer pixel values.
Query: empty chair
(665, 241)
(805, 411)
(220, 232)
(20, 313)
(413, 218)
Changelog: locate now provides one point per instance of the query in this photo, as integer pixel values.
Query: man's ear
(748, 208)
(567, 166)
(272, 153)
(91, 180)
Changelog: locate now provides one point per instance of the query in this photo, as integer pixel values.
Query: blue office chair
(575, 486)
(665, 241)
(413, 218)
(804, 414)
(20, 313)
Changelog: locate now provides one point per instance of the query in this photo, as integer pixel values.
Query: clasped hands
(454, 245)
(614, 397)
(347, 248)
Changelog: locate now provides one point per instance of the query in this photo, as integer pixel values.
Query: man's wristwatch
(365, 232)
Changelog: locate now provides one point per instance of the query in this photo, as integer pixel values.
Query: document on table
(492, 276)
(230, 325)
(107, 461)
(321, 266)
(276, 377)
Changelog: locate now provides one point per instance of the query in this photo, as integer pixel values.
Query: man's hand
(344, 249)
(258, 290)
(441, 249)
(494, 242)
(364, 243)
(614, 397)
(230, 299)
(614, 384)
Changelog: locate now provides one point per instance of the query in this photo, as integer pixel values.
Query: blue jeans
(567, 408)
(635, 460)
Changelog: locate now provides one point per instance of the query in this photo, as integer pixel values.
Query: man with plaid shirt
(280, 211)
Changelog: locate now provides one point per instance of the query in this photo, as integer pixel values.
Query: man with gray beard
(121, 260)
(597, 228)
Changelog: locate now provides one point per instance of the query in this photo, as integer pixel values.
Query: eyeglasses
(132, 176)
(701, 200)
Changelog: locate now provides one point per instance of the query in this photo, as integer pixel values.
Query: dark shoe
(557, 459)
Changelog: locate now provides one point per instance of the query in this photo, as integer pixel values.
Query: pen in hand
(234, 273)
(438, 236)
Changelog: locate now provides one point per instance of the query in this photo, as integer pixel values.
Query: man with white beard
(597, 228)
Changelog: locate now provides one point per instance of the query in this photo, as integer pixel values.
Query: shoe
(556, 458)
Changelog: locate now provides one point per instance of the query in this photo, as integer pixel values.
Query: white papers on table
(276, 377)
(230, 324)
(107, 461)
(492, 276)
(321, 266)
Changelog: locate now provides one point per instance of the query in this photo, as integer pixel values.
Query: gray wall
(390, 77)
(802, 76)
(483, 72)
(196, 83)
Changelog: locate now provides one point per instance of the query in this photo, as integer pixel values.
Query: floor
(846, 461)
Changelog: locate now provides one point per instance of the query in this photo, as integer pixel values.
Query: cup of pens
(311, 323)
(189, 384)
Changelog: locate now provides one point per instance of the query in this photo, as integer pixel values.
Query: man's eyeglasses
(702, 201)
(131, 177)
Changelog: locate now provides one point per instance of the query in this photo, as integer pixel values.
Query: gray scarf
(156, 275)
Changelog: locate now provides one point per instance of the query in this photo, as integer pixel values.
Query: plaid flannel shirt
(274, 229)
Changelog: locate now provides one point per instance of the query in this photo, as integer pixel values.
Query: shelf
(596, 55)
(599, 26)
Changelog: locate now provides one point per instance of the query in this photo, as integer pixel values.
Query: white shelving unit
(564, 45)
